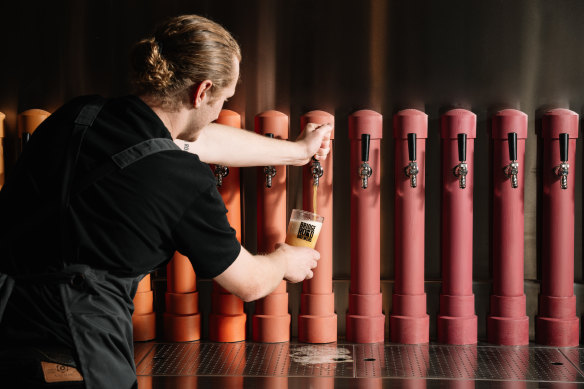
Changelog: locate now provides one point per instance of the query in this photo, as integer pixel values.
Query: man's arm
(251, 277)
(224, 145)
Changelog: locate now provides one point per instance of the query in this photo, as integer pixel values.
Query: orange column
(227, 319)
(365, 319)
(182, 321)
(317, 322)
(28, 121)
(271, 321)
(2, 176)
(144, 318)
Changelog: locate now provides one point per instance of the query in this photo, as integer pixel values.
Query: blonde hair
(184, 51)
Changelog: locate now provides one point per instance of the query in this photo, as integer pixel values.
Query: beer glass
(303, 228)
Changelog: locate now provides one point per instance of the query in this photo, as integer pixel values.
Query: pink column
(271, 321)
(457, 322)
(144, 317)
(365, 319)
(317, 322)
(227, 318)
(409, 322)
(507, 323)
(557, 323)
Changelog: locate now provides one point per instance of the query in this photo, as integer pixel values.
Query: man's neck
(174, 121)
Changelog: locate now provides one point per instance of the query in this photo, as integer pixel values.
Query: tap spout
(317, 171)
(460, 171)
(365, 172)
(220, 173)
(511, 171)
(412, 172)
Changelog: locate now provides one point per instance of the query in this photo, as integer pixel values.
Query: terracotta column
(409, 322)
(557, 323)
(28, 121)
(365, 319)
(182, 321)
(271, 321)
(317, 322)
(457, 322)
(507, 323)
(144, 317)
(227, 318)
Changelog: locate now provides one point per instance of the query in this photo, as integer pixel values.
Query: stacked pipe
(507, 323)
(182, 321)
(271, 320)
(365, 320)
(227, 318)
(317, 322)
(457, 322)
(409, 322)
(557, 323)
(28, 121)
(144, 317)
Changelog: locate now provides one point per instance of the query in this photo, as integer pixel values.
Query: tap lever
(512, 170)
(316, 170)
(461, 170)
(269, 171)
(564, 167)
(462, 147)
(365, 170)
(412, 146)
(564, 141)
(412, 169)
(512, 138)
(220, 173)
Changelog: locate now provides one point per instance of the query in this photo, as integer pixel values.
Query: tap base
(182, 328)
(271, 328)
(365, 329)
(409, 329)
(317, 329)
(508, 331)
(457, 330)
(227, 328)
(557, 332)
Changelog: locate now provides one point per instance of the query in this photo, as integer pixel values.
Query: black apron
(98, 305)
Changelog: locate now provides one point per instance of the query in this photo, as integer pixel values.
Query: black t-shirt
(128, 222)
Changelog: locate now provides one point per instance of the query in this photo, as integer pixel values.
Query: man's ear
(200, 91)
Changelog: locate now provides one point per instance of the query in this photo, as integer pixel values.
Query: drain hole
(557, 363)
(369, 359)
(339, 359)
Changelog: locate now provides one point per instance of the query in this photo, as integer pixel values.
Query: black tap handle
(512, 138)
(412, 146)
(462, 147)
(365, 147)
(564, 139)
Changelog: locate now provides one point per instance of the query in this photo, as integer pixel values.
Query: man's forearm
(224, 145)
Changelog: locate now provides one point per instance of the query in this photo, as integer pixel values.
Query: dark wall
(337, 56)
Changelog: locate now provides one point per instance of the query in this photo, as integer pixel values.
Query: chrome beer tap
(316, 171)
(562, 170)
(461, 170)
(269, 171)
(365, 170)
(512, 170)
(412, 169)
(220, 173)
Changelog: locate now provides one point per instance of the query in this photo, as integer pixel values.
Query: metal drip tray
(484, 363)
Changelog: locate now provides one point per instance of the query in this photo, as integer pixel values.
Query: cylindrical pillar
(365, 319)
(2, 171)
(182, 321)
(507, 323)
(556, 323)
(28, 121)
(457, 322)
(227, 318)
(271, 321)
(317, 322)
(409, 322)
(144, 317)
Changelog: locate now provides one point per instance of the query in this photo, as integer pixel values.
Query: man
(102, 195)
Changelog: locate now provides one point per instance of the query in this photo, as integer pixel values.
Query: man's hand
(316, 140)
(299, 261)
